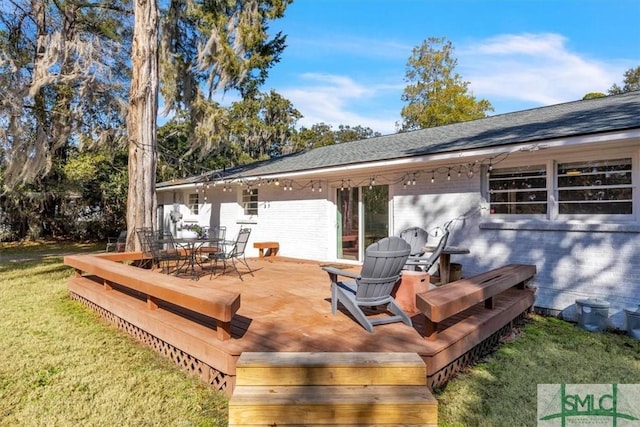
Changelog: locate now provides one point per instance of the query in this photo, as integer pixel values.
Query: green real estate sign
(614, 405)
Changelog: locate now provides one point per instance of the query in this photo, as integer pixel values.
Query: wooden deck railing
(158, 289)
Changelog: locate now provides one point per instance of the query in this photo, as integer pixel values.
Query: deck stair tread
(331, 389)
(293, 368)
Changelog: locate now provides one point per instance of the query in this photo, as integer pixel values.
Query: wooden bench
(105, 282)
(271, 247)
(453, 298)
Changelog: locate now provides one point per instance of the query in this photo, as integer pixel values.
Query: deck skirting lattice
(219, 380)
(445, 374)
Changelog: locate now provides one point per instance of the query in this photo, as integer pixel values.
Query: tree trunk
(141, 121)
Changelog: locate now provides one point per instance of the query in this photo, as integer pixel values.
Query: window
(585, 189)
(250, 201)
(194, 203)
(518, 190)
(600, 187)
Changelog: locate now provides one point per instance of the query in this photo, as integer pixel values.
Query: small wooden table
(444, 260)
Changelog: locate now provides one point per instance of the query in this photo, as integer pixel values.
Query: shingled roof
(571, 119)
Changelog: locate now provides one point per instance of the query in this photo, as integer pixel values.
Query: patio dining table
(192, 246)
(444, 260)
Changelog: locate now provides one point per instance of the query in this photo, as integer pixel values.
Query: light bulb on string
(470, 172)
(433, 177)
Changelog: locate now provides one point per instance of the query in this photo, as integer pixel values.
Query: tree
(631, 82)
(321, 134)
(436, 95)
(62, 65)
(346, 133)
(262, 124)
(237, 53)
(141, 121)
(592, 95)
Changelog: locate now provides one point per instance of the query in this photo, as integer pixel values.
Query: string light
(210, 179)
(490, 168)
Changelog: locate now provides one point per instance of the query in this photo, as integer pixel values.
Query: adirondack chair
(426, 261)
(373, 285)
(417, 238)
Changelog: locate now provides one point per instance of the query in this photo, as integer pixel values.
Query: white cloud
(338, 99)
(512, 71)
(535, 68)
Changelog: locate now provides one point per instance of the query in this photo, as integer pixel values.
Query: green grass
(502, 390)
(61, 365)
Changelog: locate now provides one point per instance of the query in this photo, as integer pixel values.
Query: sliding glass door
(363, 218)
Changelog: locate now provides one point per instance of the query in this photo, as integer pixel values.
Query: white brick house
(555, 186)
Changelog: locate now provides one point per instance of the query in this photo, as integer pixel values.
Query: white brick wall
(570, 264)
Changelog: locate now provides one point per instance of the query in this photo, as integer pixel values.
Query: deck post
(224, 330)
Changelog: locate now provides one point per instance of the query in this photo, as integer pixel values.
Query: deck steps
(313, 389)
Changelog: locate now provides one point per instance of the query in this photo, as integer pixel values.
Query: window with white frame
(250, 201)
(580, 189)
(518, 190)
(194, 203)
(601, 187)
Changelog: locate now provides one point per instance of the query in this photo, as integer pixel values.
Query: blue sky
(345, 59)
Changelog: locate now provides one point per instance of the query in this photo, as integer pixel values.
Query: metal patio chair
(117, 244)
(233, 251)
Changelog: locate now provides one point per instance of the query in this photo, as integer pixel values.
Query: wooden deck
(285, 307)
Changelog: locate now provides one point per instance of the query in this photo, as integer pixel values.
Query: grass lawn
(61, 365)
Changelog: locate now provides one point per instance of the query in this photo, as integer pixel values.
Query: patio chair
(117, 244)
(426, 261)
(417, 238)
(145, 246)
(233, 251)
(167, 253)
(216, 237)
(372, 287)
